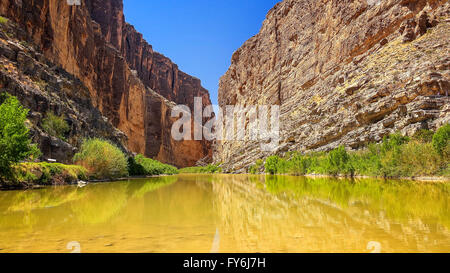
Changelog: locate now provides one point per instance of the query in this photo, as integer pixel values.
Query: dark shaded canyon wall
(134, 87)
(344, 72)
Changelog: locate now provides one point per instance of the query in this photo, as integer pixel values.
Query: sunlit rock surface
(343, 72)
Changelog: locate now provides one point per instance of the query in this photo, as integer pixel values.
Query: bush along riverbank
(27, 175)
(211, 169)
(97, 160)
(427, 154)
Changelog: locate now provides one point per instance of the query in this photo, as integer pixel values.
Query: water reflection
(229, 213)
(298, 214)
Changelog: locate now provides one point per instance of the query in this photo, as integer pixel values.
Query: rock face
(153, 69)
(133, 86)
(343, 72)
(44, 87)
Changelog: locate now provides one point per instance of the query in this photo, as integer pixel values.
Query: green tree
(272, 164)
(440, 139)
(339, 162)
(300, 164)
(15, 142)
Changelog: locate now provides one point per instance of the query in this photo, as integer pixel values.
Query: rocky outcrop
(343, 73)
(133, 86)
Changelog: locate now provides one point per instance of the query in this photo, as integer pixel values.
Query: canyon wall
(43, 88)
(344, 72)
(131, 85)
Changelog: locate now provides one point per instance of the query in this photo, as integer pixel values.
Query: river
(229, 213)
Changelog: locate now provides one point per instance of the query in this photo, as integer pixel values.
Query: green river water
(229, 213)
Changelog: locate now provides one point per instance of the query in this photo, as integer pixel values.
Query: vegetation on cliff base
(141, 165)
(426, 154)
(206, 169)
(3, 20)
(257, 167)
(15, 142)
(97, 159)
(55, 126)
(102, 159)
(440, 140)
(46, 174)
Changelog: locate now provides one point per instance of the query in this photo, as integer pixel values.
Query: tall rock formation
(344, 72)
(133, 86)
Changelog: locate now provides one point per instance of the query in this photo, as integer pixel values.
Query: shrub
(206, 169)
(368, 161)
(254, 169)
(396, 156)
(211, 168)
(393, 142)
(134, 168)
(272, 164)
(55, 125)
(300, 164)
(418, 158)
(15, 143)
(3, 20)
(424, 136)
(440, 139)
(140, 165)
(48, 173)
(338, 162)
(102, 159)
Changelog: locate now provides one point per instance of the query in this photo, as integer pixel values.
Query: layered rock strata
(343, 73)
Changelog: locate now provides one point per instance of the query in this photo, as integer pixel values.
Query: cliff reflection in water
(229, 213)
(298, 214)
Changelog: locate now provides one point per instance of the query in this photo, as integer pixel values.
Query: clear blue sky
(198, 35)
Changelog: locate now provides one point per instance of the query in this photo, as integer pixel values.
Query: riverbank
(39, 175)
(30, 175)
(425, 155)
(65, 178)
(437, 179)
(142, 215)
(416, 179)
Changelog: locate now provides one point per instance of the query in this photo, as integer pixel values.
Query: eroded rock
(343, 72)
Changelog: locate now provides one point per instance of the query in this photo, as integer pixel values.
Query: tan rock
(342, 73)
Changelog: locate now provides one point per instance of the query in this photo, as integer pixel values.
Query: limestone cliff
(133, 86)
(343, 72)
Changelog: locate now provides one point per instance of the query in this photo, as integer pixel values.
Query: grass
(55, 126)
(257, 167)
(206, 169)
(141, 165)
(46, 174)
(426, 154)
(3, 20)
(102, 159)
